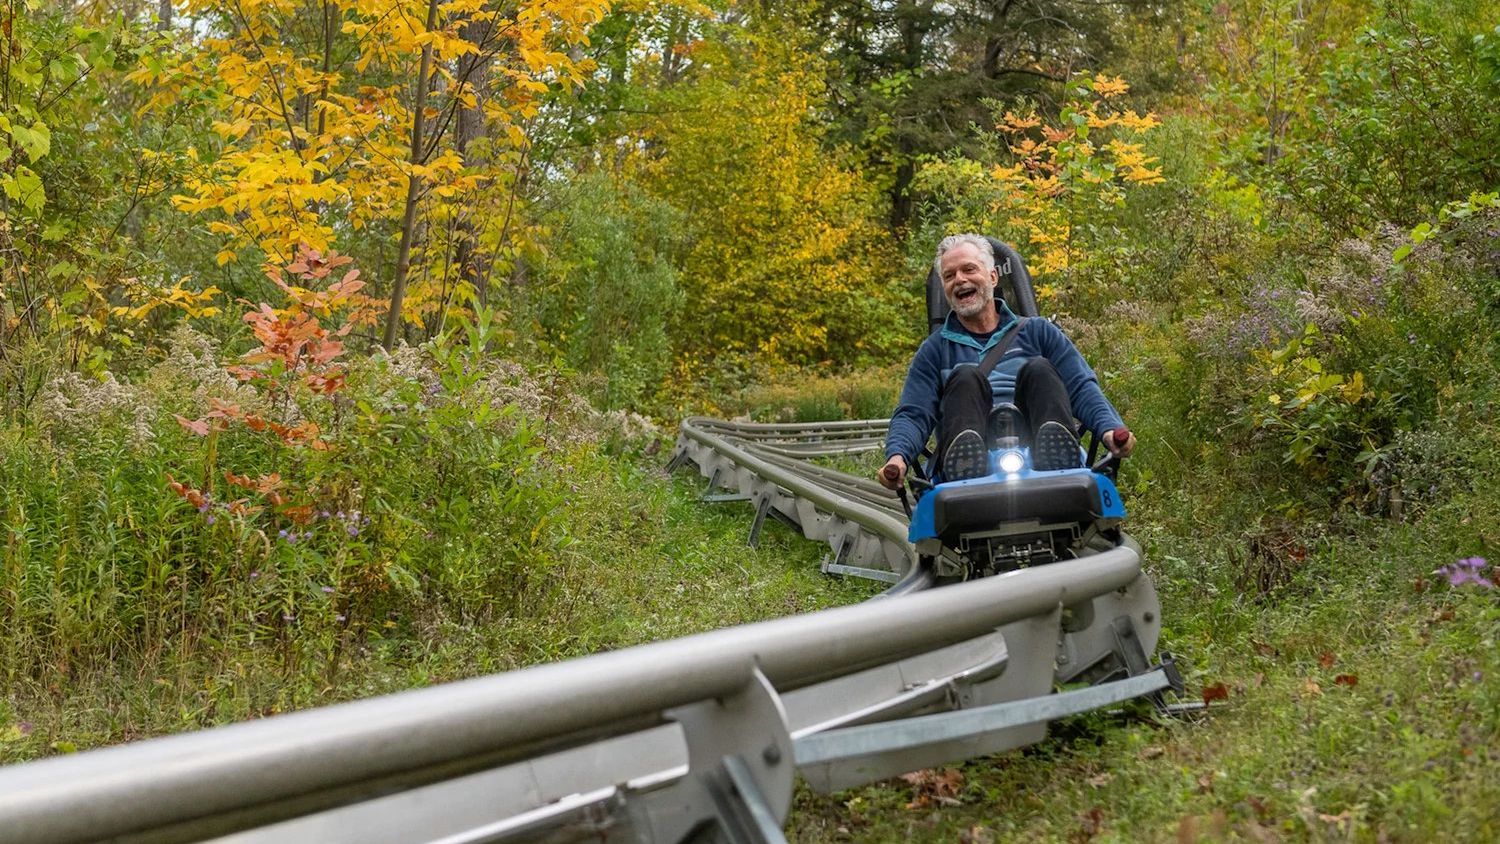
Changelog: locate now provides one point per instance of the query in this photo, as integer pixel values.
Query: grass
(1362, 694)
(654, 563)
(1363, 705)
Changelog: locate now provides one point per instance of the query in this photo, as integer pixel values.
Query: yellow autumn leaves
(1057, 174)
(316, 128)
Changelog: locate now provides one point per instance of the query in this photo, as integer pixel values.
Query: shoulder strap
(997, 351)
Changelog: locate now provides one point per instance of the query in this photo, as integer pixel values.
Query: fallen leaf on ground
(1311, 689)
(1346, 680)
(1101, 780)
(1151, 752)
(1218, 691)
(934, 787)
(1327, 659)
(1263, 649)
(1260, 834)
(1091, 822)
(1340, 820)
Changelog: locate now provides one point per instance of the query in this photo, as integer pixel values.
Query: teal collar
(955, 331)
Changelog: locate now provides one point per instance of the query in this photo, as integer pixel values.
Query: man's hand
(1122, 448)
(893, 472)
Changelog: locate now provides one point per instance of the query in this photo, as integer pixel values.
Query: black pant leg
(965, 405)
(1041, 396)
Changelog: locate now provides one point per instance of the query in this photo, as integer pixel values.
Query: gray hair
(953, 241)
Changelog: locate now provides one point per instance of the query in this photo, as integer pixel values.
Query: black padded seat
(985, 506)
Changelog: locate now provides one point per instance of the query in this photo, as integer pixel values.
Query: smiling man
(1038, 369)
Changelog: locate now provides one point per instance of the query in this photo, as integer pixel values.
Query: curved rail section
(670, 742)
(765, 464)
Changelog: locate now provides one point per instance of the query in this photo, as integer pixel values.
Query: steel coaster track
(668, 742)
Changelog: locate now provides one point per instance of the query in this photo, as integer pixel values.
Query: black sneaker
(966, 457)
(1055, 448)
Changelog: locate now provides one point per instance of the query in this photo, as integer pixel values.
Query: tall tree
(346, 119)
(913, 75)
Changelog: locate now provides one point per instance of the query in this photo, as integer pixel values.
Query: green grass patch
(1364, 705)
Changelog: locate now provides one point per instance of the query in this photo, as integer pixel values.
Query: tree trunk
(413, 187)
(474, 71)
(913, 24)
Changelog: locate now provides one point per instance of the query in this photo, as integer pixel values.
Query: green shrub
(1408, 122)
(868, 394)
(605, 291)
(434, 495)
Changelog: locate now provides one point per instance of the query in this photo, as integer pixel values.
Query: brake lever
(1111, 462)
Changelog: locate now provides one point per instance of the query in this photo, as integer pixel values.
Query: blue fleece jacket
(916, 416)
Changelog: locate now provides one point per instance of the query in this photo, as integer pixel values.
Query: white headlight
(1012, 461)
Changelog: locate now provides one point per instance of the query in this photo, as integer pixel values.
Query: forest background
(338, 340)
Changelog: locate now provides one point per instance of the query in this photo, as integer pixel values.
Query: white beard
(986, 300)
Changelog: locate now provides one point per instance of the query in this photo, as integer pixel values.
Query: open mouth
(966, 294)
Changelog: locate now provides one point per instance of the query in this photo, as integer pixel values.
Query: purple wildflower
(340, 617)
(288, 617)
(254, 575)
(1467, 570)
(211, 519)
(353, 531)
(327, 590)
(25, 728)
(1411, 338)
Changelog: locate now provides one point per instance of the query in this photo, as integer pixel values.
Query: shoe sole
(966, 457)
(1055, 448)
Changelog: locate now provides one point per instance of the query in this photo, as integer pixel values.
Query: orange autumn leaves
(1059, 168)
(295, 351)
(1058, 173)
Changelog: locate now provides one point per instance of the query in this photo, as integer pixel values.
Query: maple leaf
(198, 427)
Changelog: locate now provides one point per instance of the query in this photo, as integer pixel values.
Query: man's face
(969, 286)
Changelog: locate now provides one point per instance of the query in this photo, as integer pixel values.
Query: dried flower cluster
(72, 405)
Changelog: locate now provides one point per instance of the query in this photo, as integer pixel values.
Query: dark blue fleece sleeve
(916, 415)
(1089, 403)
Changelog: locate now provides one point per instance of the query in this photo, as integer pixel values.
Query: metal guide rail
(697, 738)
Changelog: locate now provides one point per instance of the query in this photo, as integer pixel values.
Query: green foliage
(1408, 122)
(431, 497)
(786, 262)
(866, 394)
(606, 291)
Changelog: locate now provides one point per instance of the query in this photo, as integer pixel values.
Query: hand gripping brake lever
(1111, 461)
(891, 473)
